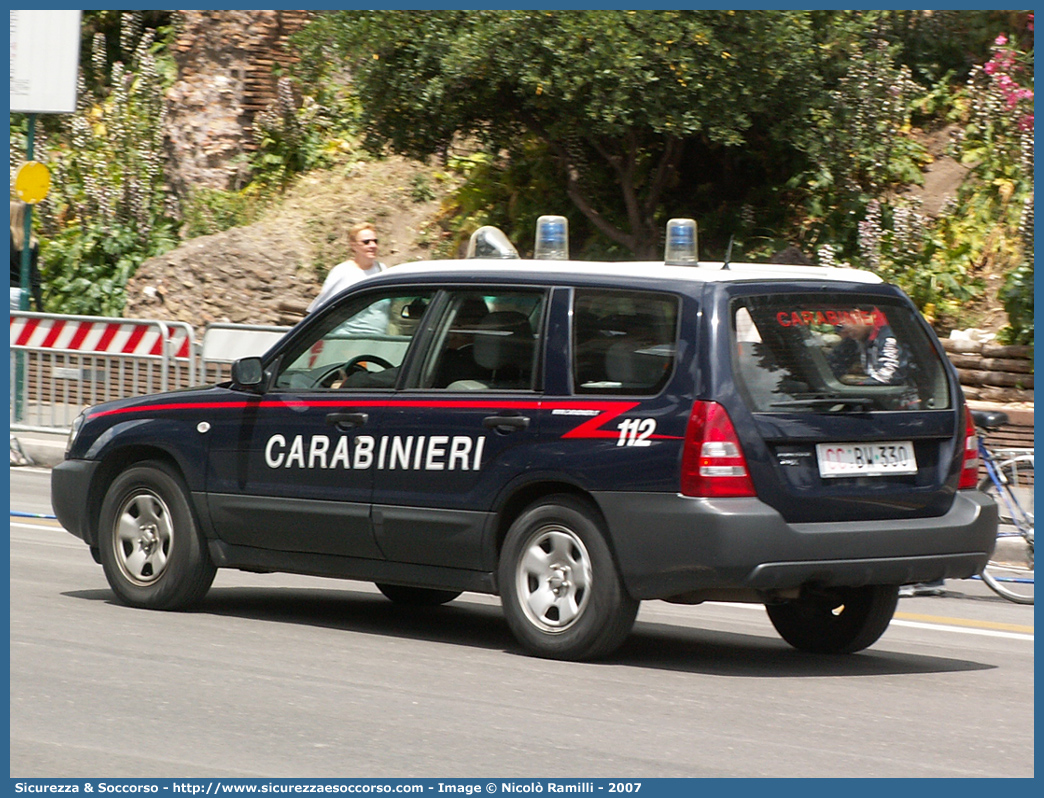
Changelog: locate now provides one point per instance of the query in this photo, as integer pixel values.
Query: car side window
(624, 342)
(487, 340)
(357, 345)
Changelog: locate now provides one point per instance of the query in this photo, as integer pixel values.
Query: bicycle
(1009, 480)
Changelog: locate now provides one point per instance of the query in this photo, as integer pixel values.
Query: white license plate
(866, 459)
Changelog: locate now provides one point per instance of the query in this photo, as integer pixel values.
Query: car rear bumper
(668, 545)
(70, 488)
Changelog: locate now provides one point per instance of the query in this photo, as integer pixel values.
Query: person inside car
(870, 345)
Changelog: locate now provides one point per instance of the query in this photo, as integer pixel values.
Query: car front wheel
(835, 620)
(562, 594)
(150, 548)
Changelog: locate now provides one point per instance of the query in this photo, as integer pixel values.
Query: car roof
(655, 270)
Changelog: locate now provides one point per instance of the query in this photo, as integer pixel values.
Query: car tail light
(970, 467)
(713, 464)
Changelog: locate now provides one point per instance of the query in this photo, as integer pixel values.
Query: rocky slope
(258, 274)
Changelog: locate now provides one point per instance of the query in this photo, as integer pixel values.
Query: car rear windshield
(834, 353)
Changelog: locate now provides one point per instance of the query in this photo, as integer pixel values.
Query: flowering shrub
(928, 259)
(1002, 68)
(998, 145)
(859, 142)
(296, 133)
(988, 227)
(107, 211)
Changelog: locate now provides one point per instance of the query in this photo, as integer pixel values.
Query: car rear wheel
(835, 620)
(562, 594)
(151, 550)
(417, 596)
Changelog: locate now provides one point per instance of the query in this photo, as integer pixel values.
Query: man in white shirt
(363, 264)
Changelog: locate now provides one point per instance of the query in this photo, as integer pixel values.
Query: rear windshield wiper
(828, 402)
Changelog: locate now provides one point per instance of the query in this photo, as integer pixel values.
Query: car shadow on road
(476, 625)
(717, 653)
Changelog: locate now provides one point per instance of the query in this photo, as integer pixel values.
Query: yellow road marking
(1004, 627)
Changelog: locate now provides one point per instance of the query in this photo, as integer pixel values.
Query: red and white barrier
(101, 336)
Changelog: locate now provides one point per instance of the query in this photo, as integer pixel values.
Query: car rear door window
(487, 340)
(823, 353)
(624, 342)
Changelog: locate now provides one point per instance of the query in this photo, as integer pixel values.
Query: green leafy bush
(300, 132)
(207, 210)
(87, 268)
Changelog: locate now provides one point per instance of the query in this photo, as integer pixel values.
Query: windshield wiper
(829, 402)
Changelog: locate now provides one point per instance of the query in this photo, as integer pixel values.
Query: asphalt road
(284, 676)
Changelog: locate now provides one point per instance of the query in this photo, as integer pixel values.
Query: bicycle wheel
(1010, 570)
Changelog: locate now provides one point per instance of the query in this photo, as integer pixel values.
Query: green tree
(613, 97)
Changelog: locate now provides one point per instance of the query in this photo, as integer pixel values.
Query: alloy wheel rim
(553, 578)
(143, 537)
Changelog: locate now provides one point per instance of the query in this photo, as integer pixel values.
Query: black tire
(562, 594)
(1010, 570)
(417, 596)
(836, 620)
(151, 549)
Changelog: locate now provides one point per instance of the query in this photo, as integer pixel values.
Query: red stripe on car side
(590, 428)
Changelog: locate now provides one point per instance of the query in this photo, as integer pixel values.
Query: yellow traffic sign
(33, 182)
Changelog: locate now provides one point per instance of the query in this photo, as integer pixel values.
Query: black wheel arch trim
(522, 492)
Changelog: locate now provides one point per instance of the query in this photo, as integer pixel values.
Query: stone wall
(996, 377)
(991, 372)
(225, 62)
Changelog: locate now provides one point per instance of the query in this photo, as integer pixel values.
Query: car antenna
(728, 254)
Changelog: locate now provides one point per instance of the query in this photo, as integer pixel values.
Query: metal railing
(223, 344)
(60, 364)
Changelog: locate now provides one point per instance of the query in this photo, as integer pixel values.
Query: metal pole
(23, 302)
(23, 299)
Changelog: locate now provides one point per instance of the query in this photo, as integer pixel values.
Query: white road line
(43, 524)
(939, 627)
(966, 629)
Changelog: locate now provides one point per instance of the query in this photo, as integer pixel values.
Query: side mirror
(247, 372)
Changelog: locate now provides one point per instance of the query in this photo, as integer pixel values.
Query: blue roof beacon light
(552, 238)
(490, 242)
(681, 243)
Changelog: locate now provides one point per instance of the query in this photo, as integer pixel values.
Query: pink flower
(1001, 40)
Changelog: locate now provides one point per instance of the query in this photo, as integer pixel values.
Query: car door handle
(505, 423)
(345, 421)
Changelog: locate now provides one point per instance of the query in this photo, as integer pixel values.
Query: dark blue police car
(575, 437)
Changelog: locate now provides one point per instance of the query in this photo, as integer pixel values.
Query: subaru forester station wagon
(575, 437)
